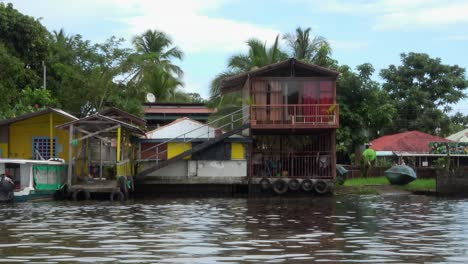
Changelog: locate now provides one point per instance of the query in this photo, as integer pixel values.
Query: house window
(41, 148)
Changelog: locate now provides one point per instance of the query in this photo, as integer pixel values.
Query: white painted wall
(224, 168)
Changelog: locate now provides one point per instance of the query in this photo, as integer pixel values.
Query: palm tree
(259, 55)
(152, 67)
(311, 50)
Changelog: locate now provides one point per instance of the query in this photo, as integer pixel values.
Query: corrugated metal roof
(410, 141)
(191, 128)
(460, 136)
(178, 110)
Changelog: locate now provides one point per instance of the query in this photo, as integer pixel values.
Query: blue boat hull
(34, 195)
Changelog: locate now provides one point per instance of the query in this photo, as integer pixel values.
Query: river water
(350, 229)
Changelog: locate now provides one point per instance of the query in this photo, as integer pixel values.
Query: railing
(311, 164)
(228, 122)
(299, 115)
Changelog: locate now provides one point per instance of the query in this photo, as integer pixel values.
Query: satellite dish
(150, 98)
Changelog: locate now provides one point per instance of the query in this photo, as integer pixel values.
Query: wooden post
(119, 135)
(70, 154)
(51, 134)
(100, 159)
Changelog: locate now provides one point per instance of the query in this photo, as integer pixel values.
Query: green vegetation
(366, 181)
(83, 77)
(421, 185)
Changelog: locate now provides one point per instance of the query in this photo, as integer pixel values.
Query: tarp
(48, 177)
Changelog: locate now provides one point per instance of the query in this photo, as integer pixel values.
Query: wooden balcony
(300, 116)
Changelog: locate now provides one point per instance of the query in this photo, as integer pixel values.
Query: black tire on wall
(264, 184)
(321, 187)
(117, 195)
(307, 185)
(83, 193)
(294, 185)
(280, 186)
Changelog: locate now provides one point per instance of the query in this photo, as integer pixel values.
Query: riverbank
(380, 185)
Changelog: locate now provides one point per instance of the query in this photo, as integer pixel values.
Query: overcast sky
(210, 31)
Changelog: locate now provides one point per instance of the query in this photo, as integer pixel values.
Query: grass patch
(421, 185)
(366, 181)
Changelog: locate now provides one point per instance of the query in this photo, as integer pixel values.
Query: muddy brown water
(350, 229)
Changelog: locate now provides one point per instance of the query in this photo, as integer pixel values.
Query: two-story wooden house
(293, 119)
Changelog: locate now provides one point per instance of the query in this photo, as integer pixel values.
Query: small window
(41, 148)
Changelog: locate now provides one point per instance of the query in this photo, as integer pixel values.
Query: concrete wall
(176, 169)
(200, 172)
(226, 168)
(455, 182)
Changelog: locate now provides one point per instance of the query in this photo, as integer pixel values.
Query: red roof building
(410, 142)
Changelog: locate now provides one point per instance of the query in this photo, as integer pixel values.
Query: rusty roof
(178, 109)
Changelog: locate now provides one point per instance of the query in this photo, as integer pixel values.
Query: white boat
(34, 179)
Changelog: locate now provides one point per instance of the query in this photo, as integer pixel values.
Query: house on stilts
(290, 115)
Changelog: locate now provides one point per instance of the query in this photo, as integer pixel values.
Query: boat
(400, 175)
(32, 179)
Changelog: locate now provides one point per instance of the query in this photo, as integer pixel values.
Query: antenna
(150, 98)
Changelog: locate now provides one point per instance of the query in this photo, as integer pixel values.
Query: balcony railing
(316, 165)
(295, 116)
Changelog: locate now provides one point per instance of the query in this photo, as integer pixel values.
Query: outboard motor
(6, 188)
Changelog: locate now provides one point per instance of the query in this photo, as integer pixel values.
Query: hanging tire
(321, 187)
(307, 185)
(122, 184)
(294, 185)
(64, 192)
(280, 187)
(265, 184)
(117, 195)
(81, 193)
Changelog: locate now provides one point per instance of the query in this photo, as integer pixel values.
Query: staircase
(234, 123)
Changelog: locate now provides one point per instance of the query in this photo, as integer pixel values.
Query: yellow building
(29, 136)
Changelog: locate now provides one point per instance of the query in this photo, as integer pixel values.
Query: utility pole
(44, 72)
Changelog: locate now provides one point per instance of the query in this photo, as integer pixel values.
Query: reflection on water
(408, 229)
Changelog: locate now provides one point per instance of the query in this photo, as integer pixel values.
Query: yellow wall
(175, 148)
(22, 132)
(237, 151)
(4, 148)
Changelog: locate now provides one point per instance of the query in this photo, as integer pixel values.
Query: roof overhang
(291, 66)
(38, 113)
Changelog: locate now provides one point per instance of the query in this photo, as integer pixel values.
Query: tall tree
(422, 89)
(152, 65)
(23, 36)
(366, 110)
(309, 49)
